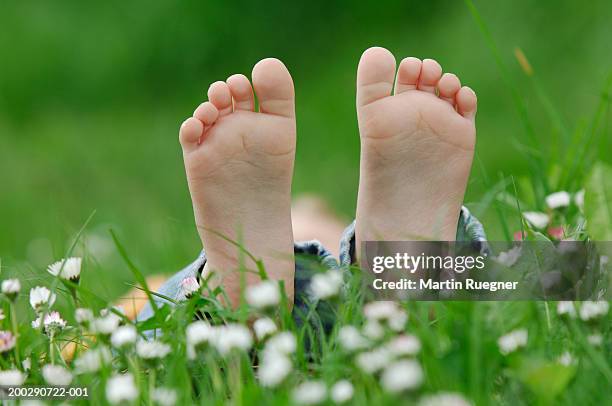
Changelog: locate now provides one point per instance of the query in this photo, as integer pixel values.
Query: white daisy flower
(327, 284)
(264, 327)
(536, 219)
(373, 361)
(232, 336)
(152, 349)
(509, 258)
(444, 399)
(198, 333)
(579, 199)
(381, 310)
(351, 339)
(68, 269)
(558, 199)
(591, 310)
(566, 359)
(56, 375)
(11, 288)
(7, 341)
(373, 330)
(275, 362)
(121, 388)
(309, 393)
(342, 391)
(566, 308)
(397, 322)
(105, 324)
(54, 322)
(273, 369)
(90, 361)
(402, 375)
(386, 311)
(124, 336)
(263, 295)
(405, 345)
(83, 315)
(12, 377)
(164, 396)
(595, 339)
(512, 341)
(40, 296)
(282, 343)
(189, 287)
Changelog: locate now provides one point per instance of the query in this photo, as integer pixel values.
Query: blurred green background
(92, 95)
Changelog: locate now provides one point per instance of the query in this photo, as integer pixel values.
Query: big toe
(375, 75)
(274, 88)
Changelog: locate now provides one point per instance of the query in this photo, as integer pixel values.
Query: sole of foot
(239, 165)
(417, 129)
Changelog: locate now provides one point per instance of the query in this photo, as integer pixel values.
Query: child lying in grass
(417, 147)
(417, 130)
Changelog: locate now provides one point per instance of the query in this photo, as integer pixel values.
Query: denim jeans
(311, 257)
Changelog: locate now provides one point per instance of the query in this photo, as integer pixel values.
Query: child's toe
(190, 133)
(219, 94)
(274, 87)
(375, 75)
(448, 86)
(207, 113)
(242, 92)
(466, 102)
(408, 74)
(430, 75)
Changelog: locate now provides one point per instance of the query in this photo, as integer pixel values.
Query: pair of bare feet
(417, 143)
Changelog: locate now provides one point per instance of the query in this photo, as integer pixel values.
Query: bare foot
(239, 165)
(417, 144)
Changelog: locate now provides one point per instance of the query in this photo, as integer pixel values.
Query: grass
(459, 351)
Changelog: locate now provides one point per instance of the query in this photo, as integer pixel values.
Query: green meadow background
(92, 95)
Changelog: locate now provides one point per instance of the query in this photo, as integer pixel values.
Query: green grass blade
(140, 278)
